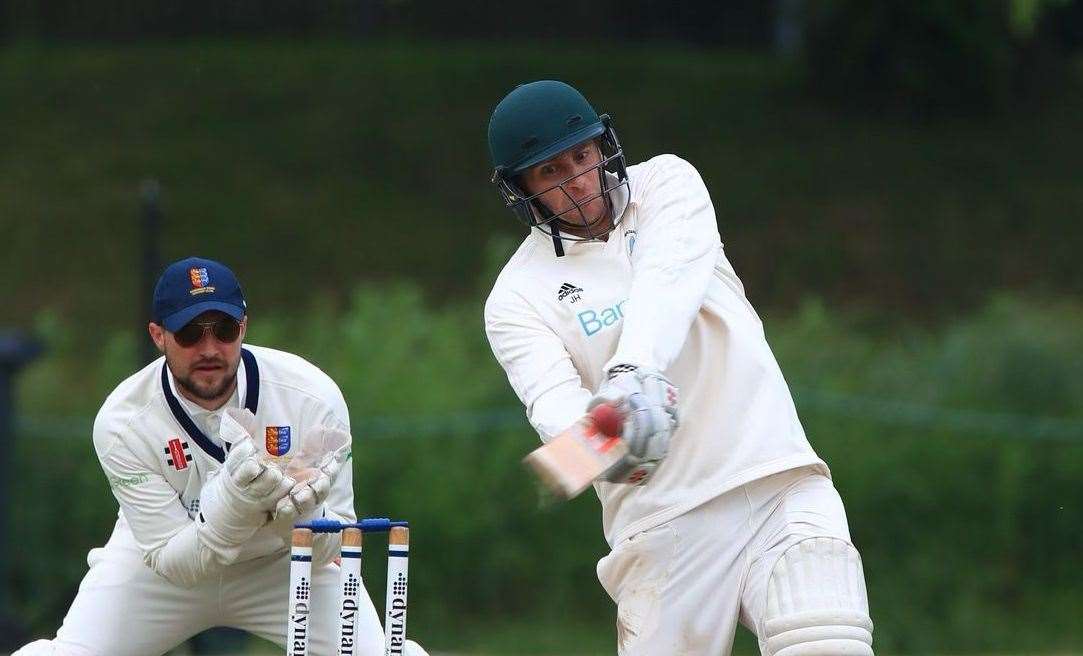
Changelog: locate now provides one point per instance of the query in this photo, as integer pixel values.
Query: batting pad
(816, 602)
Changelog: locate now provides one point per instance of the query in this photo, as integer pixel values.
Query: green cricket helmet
(536, 122)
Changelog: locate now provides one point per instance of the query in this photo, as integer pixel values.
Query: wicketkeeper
(622, 294)
(213, 452)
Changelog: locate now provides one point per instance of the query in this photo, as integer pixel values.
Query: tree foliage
(969, 535)
(936, 57)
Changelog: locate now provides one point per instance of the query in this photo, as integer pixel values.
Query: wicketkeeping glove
(236, 499)
(313, 481)
(648, 401)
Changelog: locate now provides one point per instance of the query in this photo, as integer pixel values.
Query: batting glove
(648, 401)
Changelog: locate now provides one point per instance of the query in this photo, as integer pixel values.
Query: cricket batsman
(721, 512)
(213, 452)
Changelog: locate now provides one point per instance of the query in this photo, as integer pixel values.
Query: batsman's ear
(157, 335)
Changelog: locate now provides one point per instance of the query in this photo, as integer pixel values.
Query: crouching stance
(213, 452)
(622, 293)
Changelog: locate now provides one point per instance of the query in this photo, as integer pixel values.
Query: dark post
(151, 229)
(789, 29)
(16, 350)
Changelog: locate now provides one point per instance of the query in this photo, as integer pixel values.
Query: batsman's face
(572, 189)
(205, 371)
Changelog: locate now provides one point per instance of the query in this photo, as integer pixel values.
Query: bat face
(571, 461)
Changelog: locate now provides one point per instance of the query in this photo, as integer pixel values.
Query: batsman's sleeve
(677, 249)
(160, 524)
(538, 366)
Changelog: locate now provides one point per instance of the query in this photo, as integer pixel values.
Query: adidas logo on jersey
(568, 289)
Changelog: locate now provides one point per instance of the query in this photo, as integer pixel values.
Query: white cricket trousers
(125, 609)
(681, 587)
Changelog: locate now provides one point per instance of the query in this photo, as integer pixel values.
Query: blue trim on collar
(251, 401)
(251, 372)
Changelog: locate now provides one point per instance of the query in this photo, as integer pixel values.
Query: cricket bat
(572, 460)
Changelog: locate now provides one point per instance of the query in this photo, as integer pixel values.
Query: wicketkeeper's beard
(206, 392)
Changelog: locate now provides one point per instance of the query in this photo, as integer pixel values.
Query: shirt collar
(236, 400)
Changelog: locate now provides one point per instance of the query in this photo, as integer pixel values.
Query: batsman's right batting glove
(648, 402)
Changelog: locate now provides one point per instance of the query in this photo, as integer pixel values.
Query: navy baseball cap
(192, 286)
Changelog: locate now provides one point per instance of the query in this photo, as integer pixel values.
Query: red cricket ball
(607, 419)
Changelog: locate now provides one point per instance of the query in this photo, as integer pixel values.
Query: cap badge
(201, 282)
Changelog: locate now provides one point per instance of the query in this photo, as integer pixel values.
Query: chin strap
(558, 243)
(554, 231)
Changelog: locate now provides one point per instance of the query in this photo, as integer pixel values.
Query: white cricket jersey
(158, 449)
(658, 293)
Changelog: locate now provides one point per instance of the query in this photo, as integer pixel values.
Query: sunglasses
(225, 330)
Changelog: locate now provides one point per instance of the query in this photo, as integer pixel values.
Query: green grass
(520, 638)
